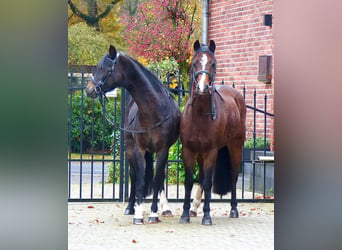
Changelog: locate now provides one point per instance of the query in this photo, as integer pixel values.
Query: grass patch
(76, 156)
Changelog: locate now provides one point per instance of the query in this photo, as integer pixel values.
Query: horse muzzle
(91, 90)
(204, 90)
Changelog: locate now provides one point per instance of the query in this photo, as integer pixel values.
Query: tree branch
(90, 19)
(108, 9)
(76, 11)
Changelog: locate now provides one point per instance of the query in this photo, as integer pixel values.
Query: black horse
(151, 125)
(212, 132)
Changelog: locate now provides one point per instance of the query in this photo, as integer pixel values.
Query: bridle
(103, 98)
(195, 74)
(211, 77)
(211, 88)
(99, 85)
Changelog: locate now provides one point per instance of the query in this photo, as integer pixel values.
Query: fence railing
(97, 165)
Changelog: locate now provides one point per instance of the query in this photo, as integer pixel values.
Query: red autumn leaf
(91, 207)
(134, 241)
(252, 208)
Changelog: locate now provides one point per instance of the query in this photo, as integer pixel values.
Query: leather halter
(99, 85)
(211, 88)
(101, 94)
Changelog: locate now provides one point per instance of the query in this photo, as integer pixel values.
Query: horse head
(203, 67)
(105, 77)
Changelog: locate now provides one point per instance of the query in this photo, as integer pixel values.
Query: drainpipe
(205, 21)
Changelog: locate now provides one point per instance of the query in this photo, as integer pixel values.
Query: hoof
(153, 220)
(234, 214)
(184, 220)
(137, 221)
(206, 221)
(129, 211)
(167, 213)
(193, 214)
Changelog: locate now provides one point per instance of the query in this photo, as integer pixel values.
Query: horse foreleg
(139, 186)
(157, 184)
(208, 168)
(189, 165)
(130, 207)
(198, 195)
(207, 184)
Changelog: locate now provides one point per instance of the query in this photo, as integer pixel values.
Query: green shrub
(100, 131)
(177, 169)
(259, 142)
(85, 45)
(164, 67)
(113, 174)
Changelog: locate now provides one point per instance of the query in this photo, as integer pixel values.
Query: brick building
(241, 36)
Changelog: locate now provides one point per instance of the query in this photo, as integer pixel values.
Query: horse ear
(112, 52)
(197, 45)
(212, 45)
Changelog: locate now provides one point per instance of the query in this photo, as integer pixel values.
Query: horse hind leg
(166, 211)
(196, 202)
(235, 157)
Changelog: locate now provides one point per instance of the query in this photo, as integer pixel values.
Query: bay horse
(212, 131)
(152, 122)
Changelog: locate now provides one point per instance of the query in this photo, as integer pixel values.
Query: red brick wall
(237, 27)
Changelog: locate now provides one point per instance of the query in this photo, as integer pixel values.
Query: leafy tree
(85, 45)
(110, 25)
(163, 29)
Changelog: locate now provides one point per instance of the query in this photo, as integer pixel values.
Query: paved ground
(103, 226)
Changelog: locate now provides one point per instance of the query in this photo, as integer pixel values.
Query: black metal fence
(97, 165)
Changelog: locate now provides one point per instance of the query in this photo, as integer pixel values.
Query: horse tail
(148, 174)
(222, 173)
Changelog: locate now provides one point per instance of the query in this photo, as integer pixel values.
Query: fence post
(122, 148)
(69, 135)
(254, 142)
(81, 135)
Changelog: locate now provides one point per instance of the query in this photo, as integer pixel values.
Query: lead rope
(104, 113)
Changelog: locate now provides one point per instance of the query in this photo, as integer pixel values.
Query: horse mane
(151, 76)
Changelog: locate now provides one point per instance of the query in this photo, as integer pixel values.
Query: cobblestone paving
(104, 226)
